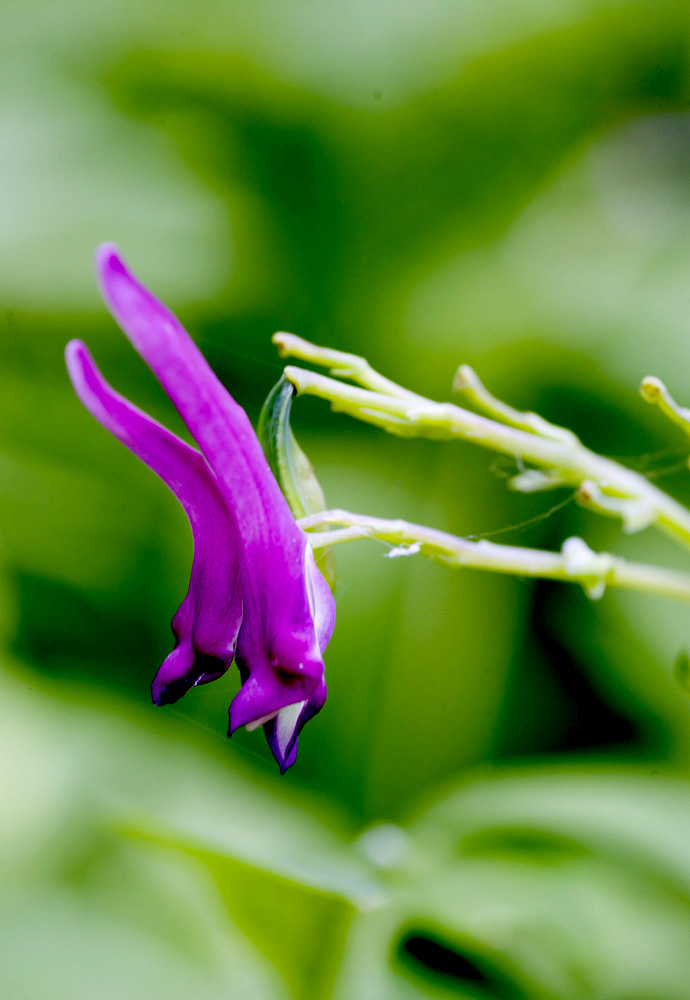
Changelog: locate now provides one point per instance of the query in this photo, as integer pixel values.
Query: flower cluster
(255, 593)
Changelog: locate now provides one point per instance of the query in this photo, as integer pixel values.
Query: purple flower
(255, 593)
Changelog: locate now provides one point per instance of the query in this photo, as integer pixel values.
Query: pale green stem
(654, 391)
(468, 382)
(341, 364)
(575, 563)
(419, 417)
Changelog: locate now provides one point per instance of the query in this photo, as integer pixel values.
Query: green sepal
(291, 467)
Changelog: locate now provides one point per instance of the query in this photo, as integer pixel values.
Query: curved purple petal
(287, 607)
(282, 728)
(217, 423)
(321, 601)
(278, 649)
(207, 623)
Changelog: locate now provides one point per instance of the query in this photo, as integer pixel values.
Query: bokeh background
(495, 800)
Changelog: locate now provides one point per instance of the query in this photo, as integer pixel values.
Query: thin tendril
(523, 525)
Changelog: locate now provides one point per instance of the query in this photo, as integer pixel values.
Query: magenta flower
(255, 593)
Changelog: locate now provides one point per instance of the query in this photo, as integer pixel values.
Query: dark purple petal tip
(282, 732)
(182, 670)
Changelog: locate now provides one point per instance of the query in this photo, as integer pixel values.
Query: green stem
(654, 391)
(575, 563)
(419, 417)
(341, 364)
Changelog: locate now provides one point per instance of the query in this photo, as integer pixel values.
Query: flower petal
(321, 601)
(278, 629)
(217, 423)
(207, 622)
(287, 617)
(285, 720)
(282, 731)
(278, 683)
(262, 695)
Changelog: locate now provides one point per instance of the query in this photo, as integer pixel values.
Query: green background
(494, 801)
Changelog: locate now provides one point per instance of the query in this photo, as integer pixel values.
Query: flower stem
(575, 563)
(654, 391)
(525, 437)
(341, 364)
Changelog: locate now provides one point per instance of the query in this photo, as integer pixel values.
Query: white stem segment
(575, 563)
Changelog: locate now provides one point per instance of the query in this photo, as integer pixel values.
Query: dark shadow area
(65, 633)
(427, 956)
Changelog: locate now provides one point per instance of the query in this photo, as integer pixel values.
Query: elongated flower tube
(255, 592)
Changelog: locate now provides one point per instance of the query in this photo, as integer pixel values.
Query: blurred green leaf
(536, 883)
(681, 671)
(143, 930)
